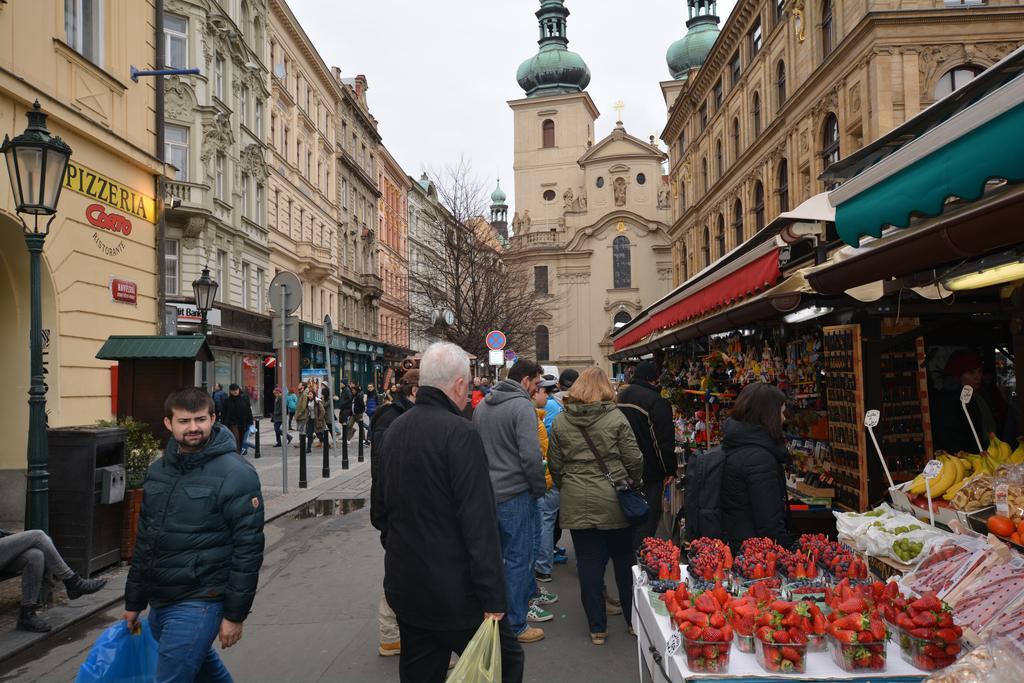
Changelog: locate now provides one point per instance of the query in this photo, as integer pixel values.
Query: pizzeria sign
(95, 185)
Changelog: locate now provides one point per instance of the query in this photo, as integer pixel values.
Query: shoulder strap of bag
(597, 456)
(654, 437)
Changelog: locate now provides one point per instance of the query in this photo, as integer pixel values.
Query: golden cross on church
(618, 107)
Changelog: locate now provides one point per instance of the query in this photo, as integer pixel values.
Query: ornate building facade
(393, 255)
(214, 137)
(424, 255)
(758, 109)
(590, 221)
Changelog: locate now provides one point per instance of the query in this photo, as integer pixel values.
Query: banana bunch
(1000, 452)
(956, 471)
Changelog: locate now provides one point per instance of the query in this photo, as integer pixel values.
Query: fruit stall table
(654, 632)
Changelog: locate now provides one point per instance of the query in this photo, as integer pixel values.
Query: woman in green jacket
(589, 502)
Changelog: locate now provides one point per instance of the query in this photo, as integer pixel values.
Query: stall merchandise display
(845, 379)
(945, 564)
(885, 532)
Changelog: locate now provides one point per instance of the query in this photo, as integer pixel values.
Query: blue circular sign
(495, 340)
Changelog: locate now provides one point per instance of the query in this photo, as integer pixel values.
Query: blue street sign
(495, 340)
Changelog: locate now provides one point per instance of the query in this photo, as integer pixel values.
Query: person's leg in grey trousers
(33, 553)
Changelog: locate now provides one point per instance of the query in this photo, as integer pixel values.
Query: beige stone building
(393, 256)
(758, 109)
(70, 63)
(591, 218)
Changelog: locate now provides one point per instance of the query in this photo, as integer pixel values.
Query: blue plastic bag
(120, 656)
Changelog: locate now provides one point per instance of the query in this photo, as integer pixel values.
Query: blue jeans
(544, 538)
(185, 632)
(515, 524)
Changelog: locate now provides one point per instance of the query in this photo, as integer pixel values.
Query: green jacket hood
(506, 390)
(221, 441)
(586, 414)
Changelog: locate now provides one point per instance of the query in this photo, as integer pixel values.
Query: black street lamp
(36, 162)
(205, 290)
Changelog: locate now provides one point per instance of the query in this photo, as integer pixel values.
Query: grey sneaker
(543, 597)
(538, 614)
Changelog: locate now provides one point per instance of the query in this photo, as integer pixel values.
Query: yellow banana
(1017, 457)
(917, 487)
(952, 490)
(944, 480)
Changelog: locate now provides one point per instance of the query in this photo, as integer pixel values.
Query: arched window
(783, 186)
(955, 79)
(737, 222)
(621, 318)
(704, 173)
(621, 268)
(257, 36)
(549, 133)
(756, 113)
(830, 141)
(758, 205)
(719, 162)
(682, 198)
(720, 235)
(827, 29)
(780, 82)
(735, 138)
(540, 342)
(706, 247)
(244, 20)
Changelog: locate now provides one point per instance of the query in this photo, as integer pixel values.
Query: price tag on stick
(674, 641)
(931, 470)
(965, 398)
(871, 419)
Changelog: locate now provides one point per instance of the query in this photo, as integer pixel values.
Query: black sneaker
(77, 586)
(543, 578)
(28, 620)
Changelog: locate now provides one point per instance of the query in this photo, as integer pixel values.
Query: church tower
(554, 124)
(499, 211)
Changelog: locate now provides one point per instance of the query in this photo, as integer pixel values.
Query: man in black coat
(650, 416)
(237, 415)
(443, 571)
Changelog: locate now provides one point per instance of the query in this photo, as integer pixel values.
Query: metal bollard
(257, 449)
(302, 462)
(362, 438)
(344, 449)
(327, 455)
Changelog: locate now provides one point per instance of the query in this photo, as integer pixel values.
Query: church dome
(498, 196)
(692, 50)
(554, 70)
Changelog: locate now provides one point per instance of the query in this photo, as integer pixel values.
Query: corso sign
(98, 217)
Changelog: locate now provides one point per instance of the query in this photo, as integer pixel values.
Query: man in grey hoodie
(507, 423)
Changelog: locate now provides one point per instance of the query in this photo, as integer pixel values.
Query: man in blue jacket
(200, 543)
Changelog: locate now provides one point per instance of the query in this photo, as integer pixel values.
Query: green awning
(183, 347)
(959, 168)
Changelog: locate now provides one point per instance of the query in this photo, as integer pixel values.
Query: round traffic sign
(495, 340)
(286, 284)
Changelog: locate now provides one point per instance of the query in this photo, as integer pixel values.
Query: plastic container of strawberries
(926, 654)
(858, 657)
(816, 642)
(705, 656)
(743, 643)
(790, 658)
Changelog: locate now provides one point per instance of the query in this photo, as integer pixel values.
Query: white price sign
(1001, 494)
(674, 641)
(932, 469)
(871, 419)
(966, 394)
(641, 579)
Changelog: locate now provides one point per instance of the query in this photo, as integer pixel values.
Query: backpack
(702, 500)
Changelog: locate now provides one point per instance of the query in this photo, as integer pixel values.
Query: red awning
(751, 278)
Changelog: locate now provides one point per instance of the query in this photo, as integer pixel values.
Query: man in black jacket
(200, 543)
(650, 416)
(404, 398)
(443, 571)
(237, 415)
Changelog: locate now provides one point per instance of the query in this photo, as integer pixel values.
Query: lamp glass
(30, 173)
(205, 290)
(56, 165)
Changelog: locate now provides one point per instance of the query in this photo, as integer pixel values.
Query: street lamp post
(36, 162)
(205, 290)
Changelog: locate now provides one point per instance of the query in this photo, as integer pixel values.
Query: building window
(755, 39)
(682, 142)
(704, 174)
(827, 28)
(783, 182)
(682, 198)
(780, 9)
(257, 123)
(720, 236)
(549, 195)
(222, 274)
(641, 179)
(259, 290)
(736, 138)
(218, 77)
(830, 140)
(245, 285)
(221, 163)
(540, 341)
(706, 247)
(600, 182)
(621, 319)
(719, 161)
(548, 128)
(175, 42)
(83, 24)
(704, 116)
(955, 79)
(245, 195)
(176, 149)
(780, 82)
(621, 267)
(258, 213)
(758, 205)
(718, 95)
(243, 105)
(737, 222)
(540, 279)
(172, 264)
(735, 67)
(686, 263)
(756, 113)
(284, 144)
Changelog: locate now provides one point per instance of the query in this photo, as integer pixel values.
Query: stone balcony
(316, 262)
(192, 196)
(373, 285)
(539, 239)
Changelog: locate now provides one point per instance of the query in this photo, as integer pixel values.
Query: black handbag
(631, 500)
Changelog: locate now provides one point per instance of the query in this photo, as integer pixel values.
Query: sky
(441, 71)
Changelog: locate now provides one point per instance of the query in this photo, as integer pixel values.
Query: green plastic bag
(481, 660)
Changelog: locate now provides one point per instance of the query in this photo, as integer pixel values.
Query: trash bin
(86, 489)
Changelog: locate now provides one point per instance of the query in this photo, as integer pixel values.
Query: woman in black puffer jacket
(754, 499)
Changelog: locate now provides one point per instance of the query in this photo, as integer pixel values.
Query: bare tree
(467, 274)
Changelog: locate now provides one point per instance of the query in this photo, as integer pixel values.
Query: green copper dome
(554, 70)
(498, 196)
(692, 49)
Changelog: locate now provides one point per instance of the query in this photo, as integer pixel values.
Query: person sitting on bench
(33, 554)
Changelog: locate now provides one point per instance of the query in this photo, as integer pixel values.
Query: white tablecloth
(653, 631)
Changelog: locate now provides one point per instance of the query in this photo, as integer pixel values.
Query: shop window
(955, 79)
(783, 186)
(720, 236)
(172, 266)
(737, 223)
(540, 342)
(83, 25)
(827, 28)
(780, 83)
(176, 149)
(755, 110)
(758, 205)
(175, 42)
(540, 279)
(548, 128)
(621, 266)
(621, 319)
